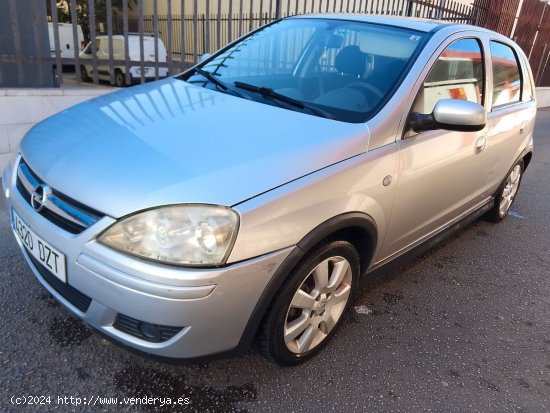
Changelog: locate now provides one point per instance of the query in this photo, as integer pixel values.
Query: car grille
(135, 328)
(59, 209)
(71, 294)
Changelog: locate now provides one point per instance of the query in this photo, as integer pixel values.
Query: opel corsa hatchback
(245, 197)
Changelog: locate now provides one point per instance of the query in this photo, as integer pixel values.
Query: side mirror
(451, 114)
(204, 57)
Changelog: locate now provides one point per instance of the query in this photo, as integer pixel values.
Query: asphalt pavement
(463, 328)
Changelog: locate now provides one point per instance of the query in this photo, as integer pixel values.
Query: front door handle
(480, 145)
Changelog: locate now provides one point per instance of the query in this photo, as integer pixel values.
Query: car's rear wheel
(312, 303)
(506, 193)
(84, 74)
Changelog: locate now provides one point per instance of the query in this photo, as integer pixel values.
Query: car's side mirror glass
(451, 114)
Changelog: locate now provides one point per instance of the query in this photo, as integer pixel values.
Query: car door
(103, 55)
(512, 112)
(118, 53)
(87, 57)
(438, 178)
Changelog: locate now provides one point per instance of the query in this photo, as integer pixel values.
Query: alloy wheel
(510, 190)
(318, 304)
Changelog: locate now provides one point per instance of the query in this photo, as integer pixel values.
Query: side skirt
(436, 237)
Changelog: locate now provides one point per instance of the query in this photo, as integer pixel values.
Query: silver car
(246, 196)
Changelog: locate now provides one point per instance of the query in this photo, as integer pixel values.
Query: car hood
(170, 142)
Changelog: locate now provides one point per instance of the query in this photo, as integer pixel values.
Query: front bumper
(149, 72)
(208, 308)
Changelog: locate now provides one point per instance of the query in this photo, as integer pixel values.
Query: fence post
(204, 45)
(25, 57)
(57, 43)
(409, 8)
(541, 78)
(278, 9)
(540, 64)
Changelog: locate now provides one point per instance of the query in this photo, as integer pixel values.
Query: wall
(22, 108)
(543, 97)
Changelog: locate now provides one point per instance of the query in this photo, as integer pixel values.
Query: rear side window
(506, 75)
(457, 74)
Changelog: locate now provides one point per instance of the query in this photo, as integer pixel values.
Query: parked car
(67, 45)
(246, 196)
(119, 53)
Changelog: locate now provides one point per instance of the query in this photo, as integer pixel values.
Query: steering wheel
(367, 87)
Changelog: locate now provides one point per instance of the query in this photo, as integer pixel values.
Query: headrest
(351, 60)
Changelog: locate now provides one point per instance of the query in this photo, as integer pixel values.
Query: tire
(307, 311)
(120, 79)
(506, 193)
(84, 74)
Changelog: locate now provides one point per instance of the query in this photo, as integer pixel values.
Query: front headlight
(193, 235)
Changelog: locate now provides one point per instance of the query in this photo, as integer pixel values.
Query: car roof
(423, 25)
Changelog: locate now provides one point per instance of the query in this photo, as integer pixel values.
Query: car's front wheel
(506, 193)
(120, 78)
(311, 304)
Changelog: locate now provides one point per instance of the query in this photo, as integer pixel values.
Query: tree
(83, 12)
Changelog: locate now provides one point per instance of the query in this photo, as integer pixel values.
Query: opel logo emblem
(39, 197)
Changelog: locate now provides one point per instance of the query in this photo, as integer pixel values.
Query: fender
(526, 155)
(363, 230)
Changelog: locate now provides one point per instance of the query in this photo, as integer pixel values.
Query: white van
(66, 40)
(102, 47)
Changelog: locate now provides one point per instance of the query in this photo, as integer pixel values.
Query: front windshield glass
(345, 69)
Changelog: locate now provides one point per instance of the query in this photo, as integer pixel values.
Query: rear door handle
(522, 127)
(480, 145)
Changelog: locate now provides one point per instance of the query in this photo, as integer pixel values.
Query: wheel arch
(355, 227)
(527, 159)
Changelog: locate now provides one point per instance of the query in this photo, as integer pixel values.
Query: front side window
(342, 68)
(457, 74)
(118, 47)
(506, 75)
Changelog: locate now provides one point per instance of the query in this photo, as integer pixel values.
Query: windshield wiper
(271, 94)
(213, 79)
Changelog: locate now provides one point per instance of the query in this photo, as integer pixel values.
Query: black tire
(84, 74)
(120, 79)
(330, 306)
(501, 207)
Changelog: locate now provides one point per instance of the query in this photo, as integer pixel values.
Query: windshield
(345, 69)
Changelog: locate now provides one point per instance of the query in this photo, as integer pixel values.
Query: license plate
(50, 257)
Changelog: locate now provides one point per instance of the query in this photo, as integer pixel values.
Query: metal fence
(533, 35)
(190, 28)
(525, 21)
(190, 33)
(195, 34)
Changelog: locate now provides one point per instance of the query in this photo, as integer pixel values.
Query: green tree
(83, 12)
